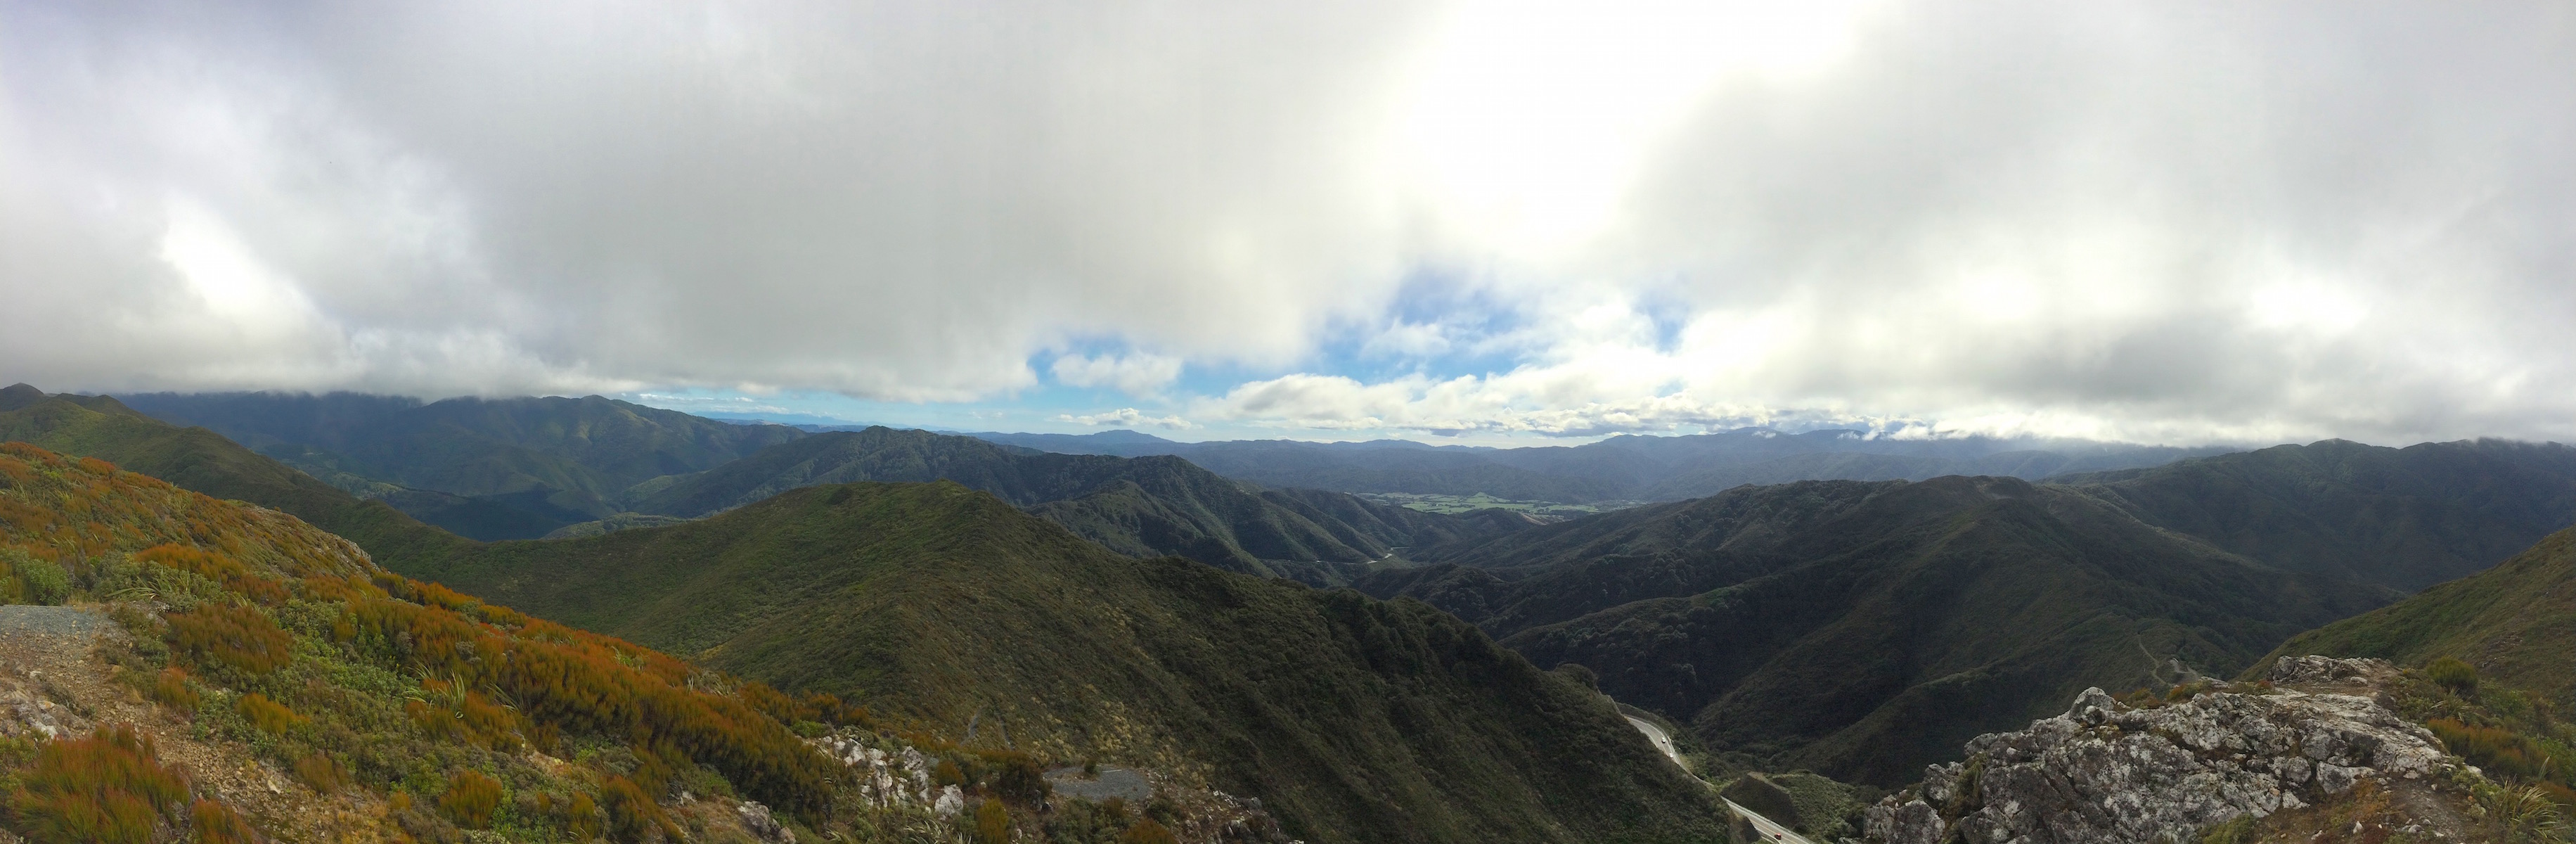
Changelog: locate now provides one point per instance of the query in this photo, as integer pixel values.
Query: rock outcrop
(2109, 772)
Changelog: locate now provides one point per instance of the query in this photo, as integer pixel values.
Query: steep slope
(1141, 506)
(2401, 517)
(1350, 718)
(1863, 629)
(204, 461)
(557, 460)
(332, 701)
(2516, 623)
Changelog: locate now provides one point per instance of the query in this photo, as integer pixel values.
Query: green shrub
(993, 823)
(45, 580)
(1147, 832)
(2237, 830)
(2451, 673)
(1017, 777)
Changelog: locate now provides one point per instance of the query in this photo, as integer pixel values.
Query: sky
(2158, 222)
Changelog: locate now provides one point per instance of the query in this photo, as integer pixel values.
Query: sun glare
(1529, 117)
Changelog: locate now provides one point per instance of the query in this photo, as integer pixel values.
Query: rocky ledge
(2106, 771)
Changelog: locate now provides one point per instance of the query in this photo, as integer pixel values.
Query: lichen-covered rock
(2106, 772)
(756, 820)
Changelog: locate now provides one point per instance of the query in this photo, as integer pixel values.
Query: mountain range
(529, 467)
(1356, 719)
(1832, 625)
(1094, 604)
(1620, 468)
(1864, 629)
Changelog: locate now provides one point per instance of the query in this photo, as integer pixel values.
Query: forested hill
(1863, 630)
(1351, 718)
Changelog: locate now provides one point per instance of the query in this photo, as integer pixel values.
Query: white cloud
(1128, 417)
(1138, 375)
(2153, 220)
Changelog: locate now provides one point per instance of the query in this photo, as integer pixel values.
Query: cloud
(2166, 221)
(1128, 417)
(1134, 374)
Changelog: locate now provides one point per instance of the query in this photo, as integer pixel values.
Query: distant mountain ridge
(1143, 506)
(533, 464)
(204, 461)
(1627, 467)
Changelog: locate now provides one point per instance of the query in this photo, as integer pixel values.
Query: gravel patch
(52, 621)
(1121, 783)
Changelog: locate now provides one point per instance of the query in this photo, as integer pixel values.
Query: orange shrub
(632, 816)
(268, 715)
(577, 682)
(216, 823)
(470, 799)
(582, 818)
(215, 567)
(233, 635)
(2497, 751)
(105, 788)
(170, 687)
(320, 772)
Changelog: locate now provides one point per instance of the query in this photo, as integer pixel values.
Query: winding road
(1769, 829)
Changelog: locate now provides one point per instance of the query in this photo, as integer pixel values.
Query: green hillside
(1352, 719)
(1862, 630)
(2400, 517)
(1143, 506)
(204, 461)
(2516, 623)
